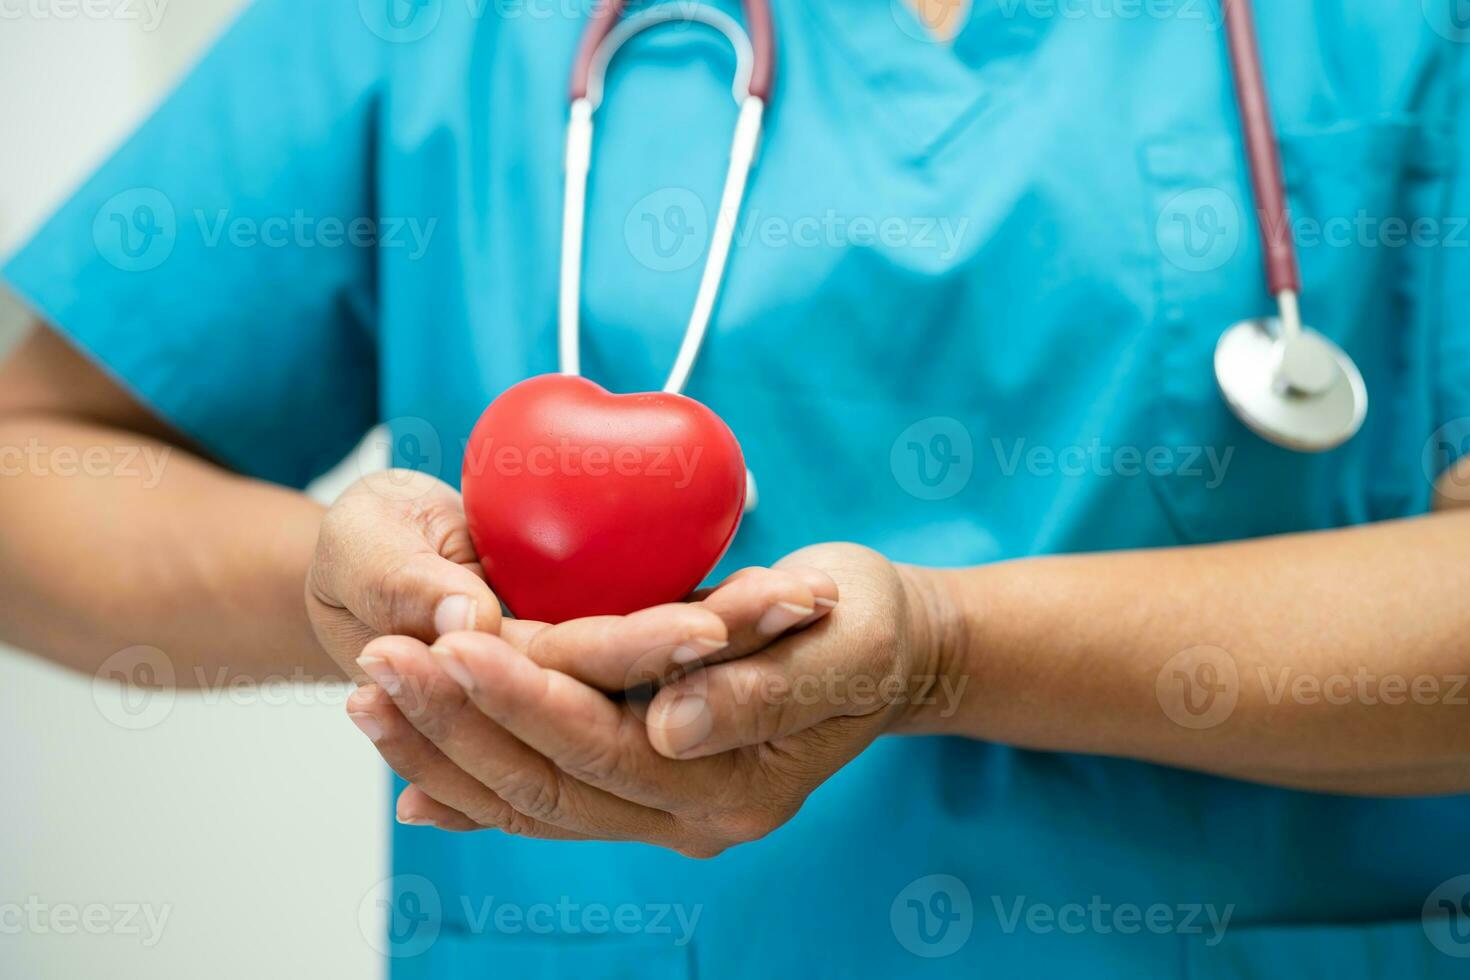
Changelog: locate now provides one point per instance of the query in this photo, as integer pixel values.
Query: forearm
(1346, 654)
(114, 540)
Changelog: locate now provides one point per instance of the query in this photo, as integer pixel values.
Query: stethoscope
(1284, 380)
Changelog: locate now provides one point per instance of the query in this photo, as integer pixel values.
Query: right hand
(394, 558)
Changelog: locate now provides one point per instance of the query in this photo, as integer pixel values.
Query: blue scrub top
(970, 317)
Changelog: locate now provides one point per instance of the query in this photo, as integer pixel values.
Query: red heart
(581, 502)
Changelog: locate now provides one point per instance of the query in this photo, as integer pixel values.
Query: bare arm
(116, 535)
(1334, 661)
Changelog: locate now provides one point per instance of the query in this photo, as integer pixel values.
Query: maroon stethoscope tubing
(1262, 147)
(757, 25)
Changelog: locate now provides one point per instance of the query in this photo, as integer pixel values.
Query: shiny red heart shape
(581, 502)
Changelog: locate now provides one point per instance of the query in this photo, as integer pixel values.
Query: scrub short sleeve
(220, 264)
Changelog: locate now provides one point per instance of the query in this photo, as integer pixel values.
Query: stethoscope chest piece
(1298, 390)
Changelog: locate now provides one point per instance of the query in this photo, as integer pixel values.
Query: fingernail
(454, 667)
(455, 613)
(781, 617)
(695, 651)
(686, 724)
(417, 822)
(368, 725)
(825, 603)
(383, 675)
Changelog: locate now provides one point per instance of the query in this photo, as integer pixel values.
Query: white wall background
(252, 826)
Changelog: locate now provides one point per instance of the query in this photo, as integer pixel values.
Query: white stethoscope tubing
(743, 147)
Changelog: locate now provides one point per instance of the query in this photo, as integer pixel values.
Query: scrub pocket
(1430, 950)
(1371, 278)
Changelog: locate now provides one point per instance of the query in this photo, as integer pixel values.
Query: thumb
(403, 564)
(422, 594)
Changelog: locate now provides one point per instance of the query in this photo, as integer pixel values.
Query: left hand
(723, 755)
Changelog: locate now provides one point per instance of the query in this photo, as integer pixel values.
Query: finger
(823, 587)
(440, 709)
(787, 688)
(818, 581)
(518, 632)
(617, 653)
(586, 735)
(825, 591)
(401, 567)
(704, 593)
(417, 808)
(764, 603)
(416, 759)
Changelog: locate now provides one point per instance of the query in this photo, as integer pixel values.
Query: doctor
(969, 322)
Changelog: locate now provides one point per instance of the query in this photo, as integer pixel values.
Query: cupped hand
(394, 558)
(723, 754)
(394, 561)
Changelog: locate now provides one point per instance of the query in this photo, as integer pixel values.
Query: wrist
(938, 641)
